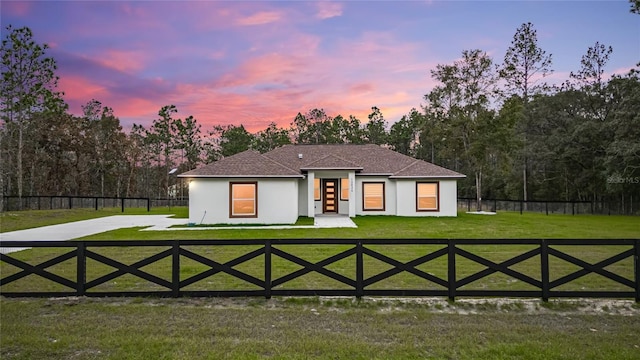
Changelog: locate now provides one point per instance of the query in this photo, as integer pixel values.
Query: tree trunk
(479, 190)
(19, 163)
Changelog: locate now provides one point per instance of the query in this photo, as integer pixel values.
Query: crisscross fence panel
(548, 268)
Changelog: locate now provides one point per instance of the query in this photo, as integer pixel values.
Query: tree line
(514, 136)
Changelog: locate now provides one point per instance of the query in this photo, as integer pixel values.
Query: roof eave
(330, 168)
(428, 177)
(241, 176)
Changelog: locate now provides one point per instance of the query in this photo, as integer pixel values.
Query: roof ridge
(332, 156)
(278, 163)
(415, 161)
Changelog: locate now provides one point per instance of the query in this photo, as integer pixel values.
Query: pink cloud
(327, 9)
(125, 61)
(80, 90)
(17, 8)
(260, 18)
(361, 88)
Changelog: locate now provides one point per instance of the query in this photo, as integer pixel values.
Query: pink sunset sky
(254, 62)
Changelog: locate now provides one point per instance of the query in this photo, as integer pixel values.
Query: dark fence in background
(14, 203)
(552, 207)
(357, 278)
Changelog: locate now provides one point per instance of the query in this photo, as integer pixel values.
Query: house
(308, 180)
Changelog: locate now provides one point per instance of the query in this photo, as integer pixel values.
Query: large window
(427, 196)
(344, 189)
(243, 199)
(373, 196)
(316, 189)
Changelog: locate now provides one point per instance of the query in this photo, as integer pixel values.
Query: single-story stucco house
(308, 180)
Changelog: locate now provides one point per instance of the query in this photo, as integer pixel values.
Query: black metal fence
(552, 207)
(441, 265)
(15, 203)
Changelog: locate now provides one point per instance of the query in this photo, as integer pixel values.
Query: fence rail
(545, 282)
(15, 203)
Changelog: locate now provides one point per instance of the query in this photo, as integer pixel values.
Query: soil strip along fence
(359, 277)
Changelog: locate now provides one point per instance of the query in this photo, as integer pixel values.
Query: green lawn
(505, 225)
(313, 329)
(305, 328)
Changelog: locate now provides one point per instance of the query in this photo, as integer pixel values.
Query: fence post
(520, 207)
(451, 264)
(175, 268)
(546, 207)
(359, 271)
(636, 265)
(267, 269)
(148, 204)
(573, 208)
(122, 203)
(81, 268)
(70, 202)
(544, 269)
(96, 202)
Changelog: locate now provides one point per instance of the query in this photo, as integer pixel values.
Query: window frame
(344, 198)
(317, 181)
(437, 208)
(255, 199)
(384, 196)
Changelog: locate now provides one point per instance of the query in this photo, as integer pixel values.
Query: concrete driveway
(77, 229)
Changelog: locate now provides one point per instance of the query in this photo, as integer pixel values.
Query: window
(344, 189)
(243, 200)
(427, 196)
(373, 196)
(316, 189)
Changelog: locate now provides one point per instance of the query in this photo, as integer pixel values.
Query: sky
(256, 62)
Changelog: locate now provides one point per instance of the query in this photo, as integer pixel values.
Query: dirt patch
(564, 307)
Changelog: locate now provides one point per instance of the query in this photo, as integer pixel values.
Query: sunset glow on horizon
(252, 63)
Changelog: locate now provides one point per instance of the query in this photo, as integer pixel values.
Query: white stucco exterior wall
(277, 201)
(389, 194)
(406, 197)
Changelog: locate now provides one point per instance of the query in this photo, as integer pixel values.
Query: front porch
(331, 192)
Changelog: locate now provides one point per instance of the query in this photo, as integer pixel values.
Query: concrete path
(320, 222)
(78, 229)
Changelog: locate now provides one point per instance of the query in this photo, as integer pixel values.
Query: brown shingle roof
(292, 160)
(373, 159)
(245, 164)
(331, 161)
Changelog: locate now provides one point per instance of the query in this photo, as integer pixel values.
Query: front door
(330, 192)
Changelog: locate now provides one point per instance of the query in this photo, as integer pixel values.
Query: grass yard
(303, 328)
(314, 329)
(506, 225)
(503, 225)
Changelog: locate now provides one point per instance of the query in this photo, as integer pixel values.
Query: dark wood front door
(330, 198)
